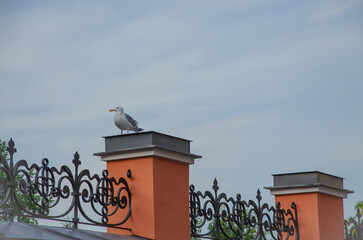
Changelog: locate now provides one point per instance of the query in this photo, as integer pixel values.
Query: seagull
(124, 121)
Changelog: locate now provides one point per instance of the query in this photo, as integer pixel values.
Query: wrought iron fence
(215, 216)
(91, 200)
(353, 227)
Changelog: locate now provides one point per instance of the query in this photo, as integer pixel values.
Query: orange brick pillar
(159, 182)
(319, 201)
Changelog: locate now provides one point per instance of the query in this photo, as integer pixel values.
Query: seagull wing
(133, 122)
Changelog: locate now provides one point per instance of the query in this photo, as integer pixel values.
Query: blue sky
(261, 87)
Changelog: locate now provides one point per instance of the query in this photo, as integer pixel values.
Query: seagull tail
(140, 129)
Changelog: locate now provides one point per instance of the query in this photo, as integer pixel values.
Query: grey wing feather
(133, 122)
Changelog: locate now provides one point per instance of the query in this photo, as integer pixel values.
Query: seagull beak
(112, 110)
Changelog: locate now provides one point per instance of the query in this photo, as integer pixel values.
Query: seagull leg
(121, 132)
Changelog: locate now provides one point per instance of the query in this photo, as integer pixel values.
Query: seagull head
(117, 109)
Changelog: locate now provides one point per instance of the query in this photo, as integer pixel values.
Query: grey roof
(25, 231)
(145, 140)
(307, 179)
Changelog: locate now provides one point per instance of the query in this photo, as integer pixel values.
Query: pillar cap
(145, 144)
(308, 182)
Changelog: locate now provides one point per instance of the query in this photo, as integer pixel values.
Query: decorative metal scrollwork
(92, 200)
(353, 227)
(220, 217)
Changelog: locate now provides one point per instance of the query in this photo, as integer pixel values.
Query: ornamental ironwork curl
(90, 199)
(353, 227)
(215, 216)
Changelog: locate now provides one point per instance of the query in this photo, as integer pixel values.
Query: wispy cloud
(330, 12)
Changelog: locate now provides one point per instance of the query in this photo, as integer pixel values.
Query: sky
(261, 87)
